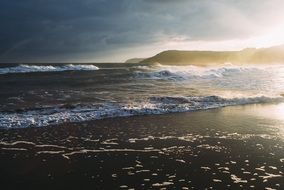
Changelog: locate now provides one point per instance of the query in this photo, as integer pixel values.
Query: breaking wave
(46, 68)
(194, 72)
(154, 105)
(257, 79)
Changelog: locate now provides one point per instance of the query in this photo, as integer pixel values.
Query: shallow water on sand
(238, 147)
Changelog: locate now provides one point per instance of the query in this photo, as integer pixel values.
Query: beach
(142, 95)
(237, 147)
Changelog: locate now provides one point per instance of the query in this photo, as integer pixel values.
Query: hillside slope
(249, 55)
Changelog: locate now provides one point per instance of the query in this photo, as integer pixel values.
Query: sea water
(47, 94)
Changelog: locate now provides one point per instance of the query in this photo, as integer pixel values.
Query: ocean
(119, 126)
(38, 95)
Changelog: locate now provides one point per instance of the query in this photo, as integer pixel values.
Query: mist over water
(41, 95)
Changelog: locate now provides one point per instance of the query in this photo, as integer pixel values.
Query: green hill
(249, 55)
(134, 60)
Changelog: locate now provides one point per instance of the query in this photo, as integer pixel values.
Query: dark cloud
(60, 30)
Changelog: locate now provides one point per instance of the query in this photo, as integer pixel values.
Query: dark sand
(231, 148)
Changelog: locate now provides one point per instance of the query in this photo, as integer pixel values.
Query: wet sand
(238, 147)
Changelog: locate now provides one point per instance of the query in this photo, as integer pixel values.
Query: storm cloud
(95, 30)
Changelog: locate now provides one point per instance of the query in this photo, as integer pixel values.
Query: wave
(154, 105)
(46, 68)
(188, 72)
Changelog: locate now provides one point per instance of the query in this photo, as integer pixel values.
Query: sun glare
(280, 110)
(272, 111)
(271, 37)
(274, 37)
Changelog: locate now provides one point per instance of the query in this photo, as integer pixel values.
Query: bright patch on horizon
(274, 37)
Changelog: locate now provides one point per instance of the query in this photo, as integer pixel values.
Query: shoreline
(232, 147)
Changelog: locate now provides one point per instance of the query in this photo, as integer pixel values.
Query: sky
(115, 30)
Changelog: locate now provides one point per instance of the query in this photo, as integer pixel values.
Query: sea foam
(154, 105)
(258, 79)
(46, 68)
(187, 72)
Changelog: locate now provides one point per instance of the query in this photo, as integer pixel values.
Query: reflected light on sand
(273, 111)
(266, 111)
(279, 111)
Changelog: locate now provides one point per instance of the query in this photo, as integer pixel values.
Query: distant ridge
(134, 60)
(250, 55)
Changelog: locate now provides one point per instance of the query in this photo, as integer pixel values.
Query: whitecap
(47, 68)
(154, 105)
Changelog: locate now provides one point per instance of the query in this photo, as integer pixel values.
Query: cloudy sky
(115, 30)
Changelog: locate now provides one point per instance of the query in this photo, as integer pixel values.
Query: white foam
(217, 180)
(269, 188)
(163, 184)
(85, 151)
(15, 149)
(245, 79)
(192, 72)
(269, 176)
(154, 105)
(110, 142)
(50, 152)
(46, 68)
(17, 143)
(181, 161)
(237, 179)
(205, 168)
(50, 146)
